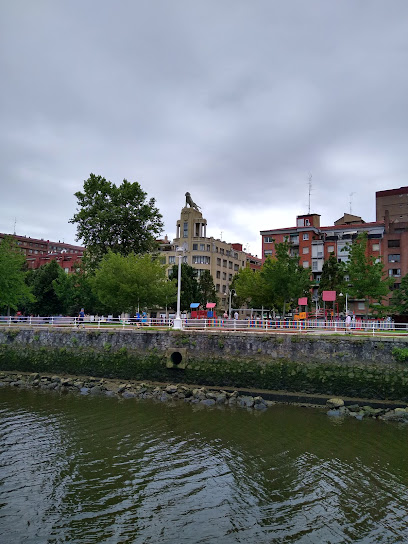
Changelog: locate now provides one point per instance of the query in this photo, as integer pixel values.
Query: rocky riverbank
(88, 385)
(128, 390)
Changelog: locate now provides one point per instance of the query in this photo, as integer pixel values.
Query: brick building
(39, 252)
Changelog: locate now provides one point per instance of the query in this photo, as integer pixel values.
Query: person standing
(348, 323)
(236, 315)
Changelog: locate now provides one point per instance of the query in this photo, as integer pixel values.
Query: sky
(247, 105)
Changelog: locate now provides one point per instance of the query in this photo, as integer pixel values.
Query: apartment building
(222, 259)
(393, 201)
(314, 244)
(39, 252)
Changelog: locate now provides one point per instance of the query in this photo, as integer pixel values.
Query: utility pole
(310, 189)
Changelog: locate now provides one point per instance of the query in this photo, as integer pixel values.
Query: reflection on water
(90, 470)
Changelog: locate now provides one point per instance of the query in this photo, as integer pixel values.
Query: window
(229, 277)
(217, 287)
(224, 263)
(314, 266)
(218, 275)
(195, 247)
(376, 247)
(202, 247)
(393, 243)
(224, 275)
(268, 253)
(361, 305)
(201, 259)
(66, 270)
(305, 236)
(236, 267)
(172, 259)
(224, 289)
(162, 260)
(208, 247)
(185, 259)
(305, 250)
(222, 251)
(307, 223)
(185, 230)
(305, 264)
(218, 261)
(268, 239)
(230, 264)
(286, 238)
(394, 258)
(392, 272)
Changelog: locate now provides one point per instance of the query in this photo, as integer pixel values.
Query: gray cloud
(234, 101)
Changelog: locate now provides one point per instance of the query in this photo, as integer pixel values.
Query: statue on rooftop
(189, 202)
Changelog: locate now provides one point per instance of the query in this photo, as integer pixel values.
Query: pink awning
(329, 296)
(302, 301)
(211, 305)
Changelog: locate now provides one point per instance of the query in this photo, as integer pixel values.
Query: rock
(353, 408)
(84, 390)
(208, 402)
(245, 401)
(334, 413)
(220, 398)
(128, 395)
(96, 390)
(56, 379)
(171, 389)
(335, 403)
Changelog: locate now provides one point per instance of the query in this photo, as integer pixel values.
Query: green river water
(82, 469)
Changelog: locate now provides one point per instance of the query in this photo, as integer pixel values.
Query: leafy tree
(332, 278)
(14, 291)
(41, 281)
(366, 274)
(283, 280)
(247, 285)
(126, 283)
(189, 286)
(206, 288)
(116, 218)
(399, 299)
(75, 292)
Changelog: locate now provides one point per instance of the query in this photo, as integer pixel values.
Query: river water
(81, 469)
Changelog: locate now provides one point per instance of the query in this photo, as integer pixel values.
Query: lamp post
(341, 295)
(177, 319)
(229, 307)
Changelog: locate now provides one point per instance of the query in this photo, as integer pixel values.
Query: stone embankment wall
(336, 365)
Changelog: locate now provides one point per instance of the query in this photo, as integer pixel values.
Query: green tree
(126, 283)
(366, 274)
(206, 288)
(75, 292)
(116, 218)
(247, 285)
(399, 299)
(283, 280)
(41, 281)
(189, 286)
(14, 291)
(332, 278)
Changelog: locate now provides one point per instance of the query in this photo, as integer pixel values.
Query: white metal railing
(267, 325)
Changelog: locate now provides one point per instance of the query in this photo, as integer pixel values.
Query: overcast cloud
(234, 101)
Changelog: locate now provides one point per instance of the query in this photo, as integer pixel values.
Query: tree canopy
(41, 280)
(14, 291)
(189, 285)
(399, 299)
(366, 274)
(126, 283)
(116, 218)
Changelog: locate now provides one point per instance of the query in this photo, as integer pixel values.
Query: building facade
(222, 259)
(39, 252)
(393, 201)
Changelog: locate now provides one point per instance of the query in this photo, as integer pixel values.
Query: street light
(341, 295)
(177, 319)
(229, 307)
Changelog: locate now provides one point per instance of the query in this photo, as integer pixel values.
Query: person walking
(81, 317)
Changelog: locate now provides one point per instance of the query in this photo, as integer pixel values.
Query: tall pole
(229, 307)
(346, 305)
(177, 320)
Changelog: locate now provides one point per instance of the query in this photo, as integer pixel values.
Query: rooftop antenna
(310, 189)
(15, 222)
(351, 196)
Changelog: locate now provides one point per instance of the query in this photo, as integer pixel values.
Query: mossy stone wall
(337, 365)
